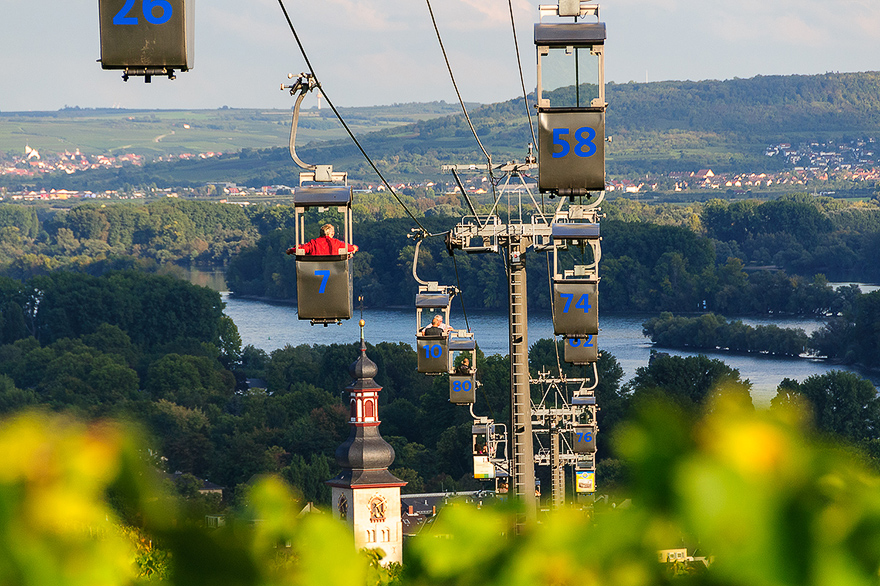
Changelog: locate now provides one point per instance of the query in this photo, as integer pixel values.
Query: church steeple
(365, 493)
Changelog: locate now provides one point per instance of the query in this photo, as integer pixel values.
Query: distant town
(852, 161)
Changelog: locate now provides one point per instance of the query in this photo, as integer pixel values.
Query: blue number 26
(585, 145)
(122, 17)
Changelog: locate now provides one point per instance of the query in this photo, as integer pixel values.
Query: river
(270, 326)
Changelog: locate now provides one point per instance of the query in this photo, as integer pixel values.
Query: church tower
(365, 494)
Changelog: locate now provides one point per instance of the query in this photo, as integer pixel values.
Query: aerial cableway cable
(460, 295)
(342, 121)
(521, 77)
(464, 193)
(460, 100)
(553, 315)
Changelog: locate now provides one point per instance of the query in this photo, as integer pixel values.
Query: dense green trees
(799, 233)
(645, 267)
(842, 403)
(153, 310)
(710, 332)
(34, 239)
(854, 336)
(686, 381)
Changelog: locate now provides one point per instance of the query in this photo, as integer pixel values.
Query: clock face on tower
(342, 507)
(378, 508)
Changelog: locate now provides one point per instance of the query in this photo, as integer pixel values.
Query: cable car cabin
(576, 307)
(489, 449)
(583, 439)
(581, 350)
(463, 381)
(571, 101)
(146, 37)
(483, 451)
(433, 354)
(432, 348)
(323, 282)
(576, 291)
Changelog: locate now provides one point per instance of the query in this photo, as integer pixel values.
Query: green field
(160, 132)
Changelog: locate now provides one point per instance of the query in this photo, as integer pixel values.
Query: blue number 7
(326, 277)
(569, 297)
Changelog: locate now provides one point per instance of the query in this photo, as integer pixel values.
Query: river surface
(270, 326)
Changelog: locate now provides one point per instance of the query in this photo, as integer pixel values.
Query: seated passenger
(437, 327)
(464, 369)
(325, 244)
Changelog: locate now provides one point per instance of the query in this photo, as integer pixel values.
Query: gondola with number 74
(576, 291)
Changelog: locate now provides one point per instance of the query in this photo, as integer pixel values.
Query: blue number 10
(122, 17)
(433, 351)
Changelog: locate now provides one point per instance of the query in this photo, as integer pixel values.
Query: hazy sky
(371, 52)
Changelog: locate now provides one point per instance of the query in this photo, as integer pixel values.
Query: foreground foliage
(754, 492)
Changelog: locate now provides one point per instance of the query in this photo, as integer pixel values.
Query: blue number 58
(585, 142)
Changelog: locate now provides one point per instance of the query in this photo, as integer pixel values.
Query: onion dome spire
(365, 456)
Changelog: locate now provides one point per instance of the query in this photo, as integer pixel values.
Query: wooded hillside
(657, 127)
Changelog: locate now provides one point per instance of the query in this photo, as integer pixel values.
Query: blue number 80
(461, 386)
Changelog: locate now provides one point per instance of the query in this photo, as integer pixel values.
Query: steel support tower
(558, 415)
(522, 456)
(571, 150)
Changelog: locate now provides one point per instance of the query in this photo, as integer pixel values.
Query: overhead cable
(460, 100)
(553, 315)
(464, 193)
(460, 294)
(522, 78)
(342, 121)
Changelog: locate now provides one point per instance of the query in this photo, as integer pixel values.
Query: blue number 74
(326, 277)
(583, 302)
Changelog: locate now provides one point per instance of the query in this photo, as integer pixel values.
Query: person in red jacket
(325, 244)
